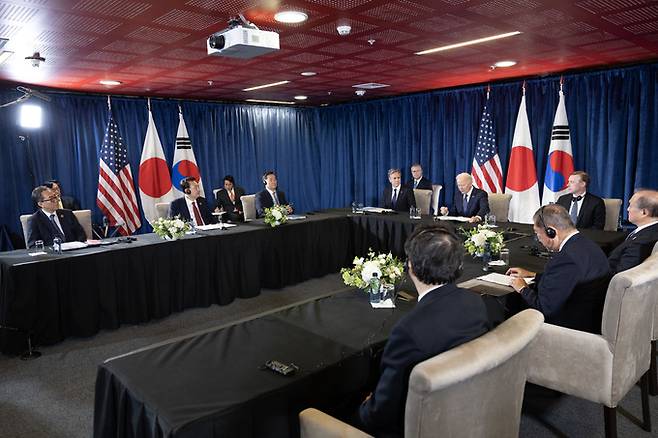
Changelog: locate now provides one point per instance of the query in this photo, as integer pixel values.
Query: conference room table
(213, 384)
(78, 293)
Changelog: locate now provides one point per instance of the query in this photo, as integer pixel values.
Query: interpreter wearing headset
(270, 195)
(571, 290)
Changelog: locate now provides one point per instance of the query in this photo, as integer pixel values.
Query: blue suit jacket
(571, 291)
(264, 200)
(478, 204)
(179, 208)
(406, 198)
(592, 211)
(40, 228)
(445, 318)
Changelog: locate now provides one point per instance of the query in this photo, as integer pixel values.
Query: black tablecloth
(212, 385)
(81, 292)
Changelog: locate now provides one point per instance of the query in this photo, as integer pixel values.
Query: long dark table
(211, 384)
(53, 297)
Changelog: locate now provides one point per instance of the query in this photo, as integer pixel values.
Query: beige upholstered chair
(612, 208)
(436, 192)
(603, 368)
(499, 205)
(162, 209)
(249, 206)
(451, 394)
(214, 194)
(84, 217)
(24, 218)
(423, 200)
(653, 378)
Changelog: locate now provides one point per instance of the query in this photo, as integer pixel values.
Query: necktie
(574, 209)
(416, 184)
(394, 201)
(276, 198)
(231, 195)
(56, 229)
(197, 214)
(465, 204)
(631, 234)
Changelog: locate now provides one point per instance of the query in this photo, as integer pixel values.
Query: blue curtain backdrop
(331, 156)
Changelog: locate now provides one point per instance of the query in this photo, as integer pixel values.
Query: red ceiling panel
(158, 46)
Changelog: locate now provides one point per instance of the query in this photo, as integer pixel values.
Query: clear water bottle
(57, 245)
(375, 295)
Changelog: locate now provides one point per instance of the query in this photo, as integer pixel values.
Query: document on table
(502, 279)
(386, 304)
(295, 217)
(67, 246)
(209, 227)
(453, 218)
(377, 210)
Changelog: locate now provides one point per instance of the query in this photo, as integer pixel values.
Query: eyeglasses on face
(51, 199)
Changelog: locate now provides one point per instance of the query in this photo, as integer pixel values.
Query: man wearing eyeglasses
(49, 222)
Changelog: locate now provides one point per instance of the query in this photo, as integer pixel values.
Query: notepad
(386, 304)
(502, 279)
(453, 218)
(377, 210)
(209, 227)
(68, 246)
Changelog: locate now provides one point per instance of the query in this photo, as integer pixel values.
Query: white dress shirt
(59, 225)
(189, 202)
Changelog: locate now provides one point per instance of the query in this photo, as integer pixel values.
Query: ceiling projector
(242, 42)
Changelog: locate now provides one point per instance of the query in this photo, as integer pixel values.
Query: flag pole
(109, 104)
(148, 103)
(561, 82)
(523, 88)
(488, 90)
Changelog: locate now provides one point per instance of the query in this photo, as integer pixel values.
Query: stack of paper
(377, 210)
(453, 218)
(502, 279)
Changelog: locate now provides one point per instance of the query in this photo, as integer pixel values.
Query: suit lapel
(582, 207)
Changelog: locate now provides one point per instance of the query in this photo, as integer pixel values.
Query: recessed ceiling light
(469, 43)
(290, 17)
(282, 102)
(273, 84)
(308, 73)
(301, 97)
(5, 55)
(109, 82)
(504, 64)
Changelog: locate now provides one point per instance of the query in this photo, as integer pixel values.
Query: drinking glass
(490, 219)
(504, 256)
(38, 246)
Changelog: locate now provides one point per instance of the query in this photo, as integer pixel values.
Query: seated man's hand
(444, 211)
(289, 208)
(518, 284)
(475, 219)
(519, 272)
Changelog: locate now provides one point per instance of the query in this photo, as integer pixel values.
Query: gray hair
(553, 216)
(393, 170)
(37, 193)
(647, 200)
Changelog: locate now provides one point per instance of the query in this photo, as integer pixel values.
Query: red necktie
(197, 214)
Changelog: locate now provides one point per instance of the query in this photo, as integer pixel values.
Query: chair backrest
(84, 218)
(476, 389)
(436, 191)
(249, 206)
(162, 209)
(214, 193)
(627, 322)
(24, 223)
(499, 205)
(655, 313)
(423, 200)
(612, 208)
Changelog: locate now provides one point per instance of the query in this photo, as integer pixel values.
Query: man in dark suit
(49, 221)
(586, 210)
(228, 200)
(418, 181)
(571, 291)
(445, 317)
(270, 195)
(396, 196)
(68, 202)
(192, 207)
(643, 212)
(469, 201)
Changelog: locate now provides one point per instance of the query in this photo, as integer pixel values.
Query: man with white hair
(643, 212)
(469, 201)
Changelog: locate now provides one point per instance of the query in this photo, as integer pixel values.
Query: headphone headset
(550, 232)
(269, 172)
(185, 185)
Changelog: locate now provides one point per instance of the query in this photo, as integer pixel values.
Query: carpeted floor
(53, 396)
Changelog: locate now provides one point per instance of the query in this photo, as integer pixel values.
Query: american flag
(487, 171)
(116, 191)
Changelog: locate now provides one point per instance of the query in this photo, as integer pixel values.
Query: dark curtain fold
(330, 156)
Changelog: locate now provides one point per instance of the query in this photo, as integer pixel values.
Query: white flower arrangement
(389, 270)
(170, 229)
(276, 215)
(482, 239)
